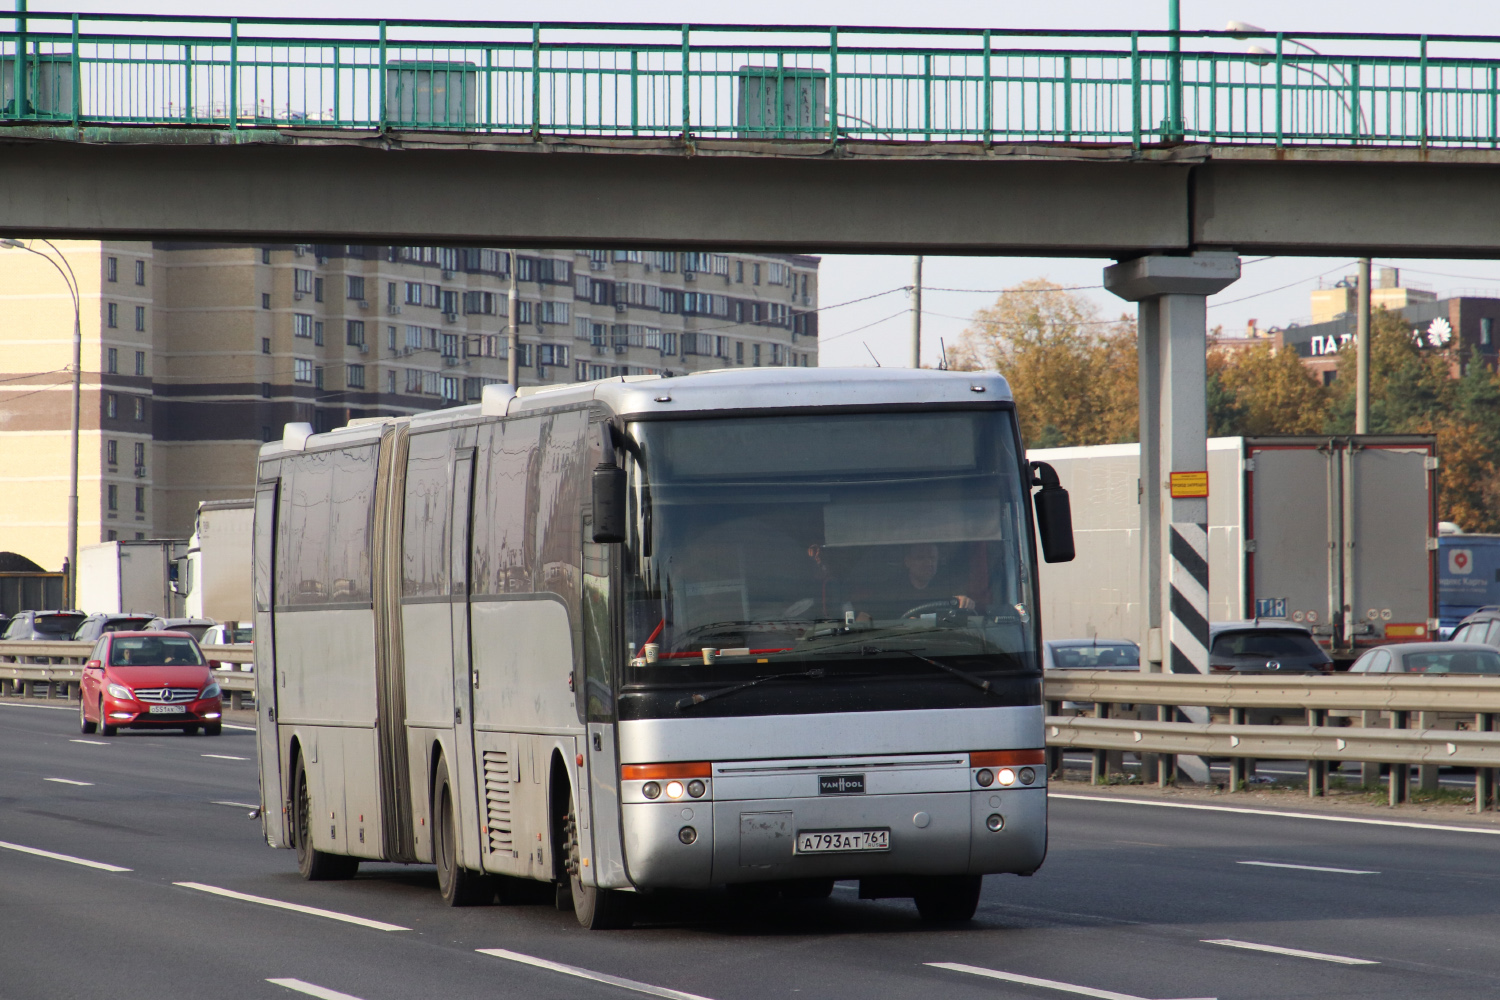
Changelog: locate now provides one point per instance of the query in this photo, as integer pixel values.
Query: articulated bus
(768, 628)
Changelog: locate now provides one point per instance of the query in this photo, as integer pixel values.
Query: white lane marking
(222, 756)
(22, 704)
(598, 977)
(1294, 952)
(231, 725)
(1275, 812)
(321, 992)
(1046, 984)
(92, 743)
(1308, 868)
(63, 857)
(379, 925)
(68, 781)
(237, 805)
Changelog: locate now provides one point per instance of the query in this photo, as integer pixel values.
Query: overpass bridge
(851, 139)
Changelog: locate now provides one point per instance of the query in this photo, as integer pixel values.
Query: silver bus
(763, 628)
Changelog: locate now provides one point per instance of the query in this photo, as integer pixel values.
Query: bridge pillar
(1172, 339)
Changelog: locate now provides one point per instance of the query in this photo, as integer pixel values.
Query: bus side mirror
(1054, 515)
(609, 503)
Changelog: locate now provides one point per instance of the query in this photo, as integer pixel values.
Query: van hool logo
(841, 784)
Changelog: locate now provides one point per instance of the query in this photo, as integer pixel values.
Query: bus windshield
(879, 558)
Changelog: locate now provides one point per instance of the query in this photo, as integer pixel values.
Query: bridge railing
(54, 669)
(750, 82)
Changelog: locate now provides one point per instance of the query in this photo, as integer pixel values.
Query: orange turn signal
(1006, 758)
(658, 772)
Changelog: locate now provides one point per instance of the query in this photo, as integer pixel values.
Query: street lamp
(71, 280)
(1242, 30)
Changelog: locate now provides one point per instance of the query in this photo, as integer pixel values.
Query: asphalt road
(1135, 901)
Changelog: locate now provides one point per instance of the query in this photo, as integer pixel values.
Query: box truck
(130, 576)
(214, 571)
(1335, 533)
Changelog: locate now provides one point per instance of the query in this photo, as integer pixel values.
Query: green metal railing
(750, 82)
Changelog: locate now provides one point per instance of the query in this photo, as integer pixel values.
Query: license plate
(831, 841)
(166, 709)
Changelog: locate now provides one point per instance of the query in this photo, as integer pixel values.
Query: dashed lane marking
(598, 977)
(63, 857)
(222, 756)
(19, 704)
(237, 805)
(1046, 984)
(92, 743)
(1275, 812)
(1293, 952)
(347, 918)
(1308, 868)
(231, 725)
(321, 992)
(69, 781)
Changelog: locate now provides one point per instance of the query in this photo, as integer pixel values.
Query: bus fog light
(1027, 775)
(995, 823)
(674, 789)
(985, 777)
(651, 790)
(1007, 776)
(696, 788)
(687, 835)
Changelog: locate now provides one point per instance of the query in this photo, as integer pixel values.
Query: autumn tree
(1073, 374)
(1263, 391)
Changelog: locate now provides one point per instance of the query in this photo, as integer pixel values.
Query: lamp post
(71, 280)
(1243, 30)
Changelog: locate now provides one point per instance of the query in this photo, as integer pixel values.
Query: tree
(1263, 391)
(1072, 374)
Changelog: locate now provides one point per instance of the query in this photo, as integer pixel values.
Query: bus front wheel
(597, 909)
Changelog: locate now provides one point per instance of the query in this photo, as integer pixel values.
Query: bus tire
(596, 909)
(315, 865)
(949, 898)
(458, 885)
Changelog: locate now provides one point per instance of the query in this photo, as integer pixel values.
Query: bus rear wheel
(315, 865)
(458, 885)
(597, 909)
(949, 899)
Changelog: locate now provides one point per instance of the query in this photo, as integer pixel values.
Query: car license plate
(166, 710)
(832, 841)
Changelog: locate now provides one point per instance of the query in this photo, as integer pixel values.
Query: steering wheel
(939, 606)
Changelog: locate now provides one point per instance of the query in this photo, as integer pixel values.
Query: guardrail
(1386, 706)
(773, 82)
(53, 669)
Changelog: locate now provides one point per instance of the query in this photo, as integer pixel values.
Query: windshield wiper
(978, 682)
(698, 699)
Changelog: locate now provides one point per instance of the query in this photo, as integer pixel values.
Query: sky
(1272, 291)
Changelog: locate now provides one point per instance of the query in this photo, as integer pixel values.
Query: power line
(1299, 281)
(857, 329)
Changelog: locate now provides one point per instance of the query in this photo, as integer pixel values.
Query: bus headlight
(674, 789)
(651, 790)
(696, 788)
(985, 777)
(1007, 776)
(1027, 775)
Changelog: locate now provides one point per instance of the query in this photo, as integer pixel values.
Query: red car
(149, 680)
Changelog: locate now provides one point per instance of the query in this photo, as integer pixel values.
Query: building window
(111, 405)
(112, 315)
(112, 497)
(140, 407)
(302, 280)
(354, 333)
(140, 536)
(265, 390)
(356, 287)
(111, 535)
(140, 499)
(140, 454)
(450, 303)
(739, 272)
(1486, 332)
(140, 362)
(302, 371)
(265, 300)
(552, 354)
(317, 289)
(390, 381)
(265, 433)
(111, 451)
(755, 274)
(318, 333)
(739, 352)
(140, 318)
(140, 272)
(318, 377)
(756, 348)
(265, 345)
(390, 337)
(111, 269)
(390, 294)
(356, 376)
(450, 389)
(112, 360)
(265, 255)
(413, 293)
(302, 326)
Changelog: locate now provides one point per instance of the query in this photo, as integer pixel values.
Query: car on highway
(1430, 658)
(101, 622)
(1090, 654)
(152, 680)
(228, 633)
(196, 627)
(43, 626)
(1264, 647)
(1481, 626)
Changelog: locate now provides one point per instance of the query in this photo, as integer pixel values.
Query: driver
(916, 584)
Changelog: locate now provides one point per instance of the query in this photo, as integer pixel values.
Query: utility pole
(916, 312)
(513, 339)
(1362, 352)
(1174, 129)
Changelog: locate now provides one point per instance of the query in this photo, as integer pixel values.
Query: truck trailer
(130, 576)
(1338, 534)
(213, 573)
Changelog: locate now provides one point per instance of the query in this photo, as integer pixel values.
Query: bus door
(268, 744)
(596, 706)
(466, 783)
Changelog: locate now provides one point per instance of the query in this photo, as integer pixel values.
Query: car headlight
(120, 691)
(212, 691)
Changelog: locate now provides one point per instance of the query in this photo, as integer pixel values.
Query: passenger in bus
(916, 583)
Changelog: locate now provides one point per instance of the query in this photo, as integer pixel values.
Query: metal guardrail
(54, 669)
(692, 81)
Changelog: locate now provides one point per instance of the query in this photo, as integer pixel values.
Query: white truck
(1335, 533)
(130, 576)
(213, 572)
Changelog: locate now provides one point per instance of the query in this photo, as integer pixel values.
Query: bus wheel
(459, 886)
(315, 865)
(597, 909)
(949, 899)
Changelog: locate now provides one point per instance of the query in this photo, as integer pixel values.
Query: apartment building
(194, 354)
